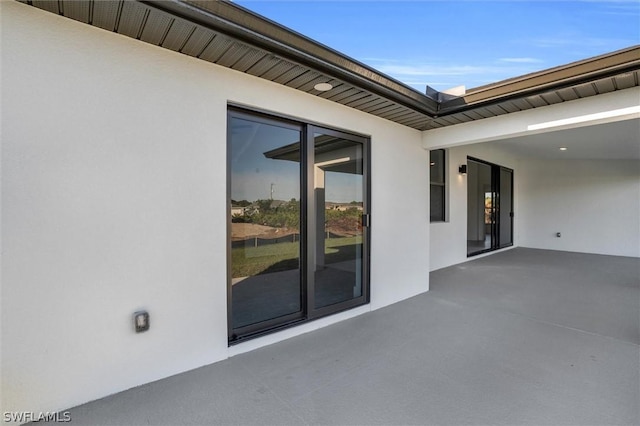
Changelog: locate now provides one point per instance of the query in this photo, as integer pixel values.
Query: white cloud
(445, 75)
(432, 69)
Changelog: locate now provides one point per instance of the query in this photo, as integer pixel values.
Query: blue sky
(449, 43)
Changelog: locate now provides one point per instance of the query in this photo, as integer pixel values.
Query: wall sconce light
(462, 169)
(141, 321)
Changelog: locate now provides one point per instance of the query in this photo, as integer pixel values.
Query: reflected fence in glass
(339, 192)
(298, 247)
(265, 224)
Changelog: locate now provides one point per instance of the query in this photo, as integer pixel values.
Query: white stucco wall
(114, 200)
(594, 204)
(449, 239)
(573, 199)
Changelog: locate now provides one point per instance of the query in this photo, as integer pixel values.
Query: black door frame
(307, 235)
(312, 311)
(496, 206)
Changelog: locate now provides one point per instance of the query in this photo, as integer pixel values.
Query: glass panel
(479, 207)
(437, 203)
(437, 166)
(265, 223)
(506, 207)
(339, 200)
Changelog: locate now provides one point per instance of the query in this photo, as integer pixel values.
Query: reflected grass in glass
(249, 261)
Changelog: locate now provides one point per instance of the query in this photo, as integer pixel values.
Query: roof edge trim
(575, 73)
(248, 27)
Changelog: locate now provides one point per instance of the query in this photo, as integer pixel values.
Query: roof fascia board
(245, 26)
(573, 74)
(250, 28)
(605, 108)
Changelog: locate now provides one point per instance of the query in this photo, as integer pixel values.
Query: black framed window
(437, 185)
(298, 199)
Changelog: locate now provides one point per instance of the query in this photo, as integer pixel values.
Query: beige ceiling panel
(263, 65)
(198, 41)
(388, 111)
(250, 58)
(605, 85)
(235, 52)
(217, 48)
(303, 79)
(520, 103)
(178, 35)
(293, 73)
(585, 90)
(336, 91)
(537, 101)
(132, 19)
(551, 98)
(78, 10)
(400, 114)
(376, 108)
(48, 5)
(106, 14)
(568, 94)
(156, 27)
(509, 106)
(280, 68)
(357, 96)
(362, 101)
(628, 80)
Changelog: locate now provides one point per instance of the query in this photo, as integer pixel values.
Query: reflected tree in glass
(265, 222)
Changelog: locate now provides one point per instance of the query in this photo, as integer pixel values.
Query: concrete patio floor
(520, 337)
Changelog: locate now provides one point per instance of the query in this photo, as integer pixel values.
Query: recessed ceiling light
(563, 148)
(432, 163)
(323, 87)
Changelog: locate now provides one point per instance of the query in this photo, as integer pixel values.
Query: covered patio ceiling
(226, 34)
(618, 140)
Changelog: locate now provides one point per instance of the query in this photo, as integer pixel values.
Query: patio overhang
(229, 35)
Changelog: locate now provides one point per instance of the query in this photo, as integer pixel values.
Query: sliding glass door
(489, 206)
(505, 208)
(298, 223)
(338, 187)
(266, 254)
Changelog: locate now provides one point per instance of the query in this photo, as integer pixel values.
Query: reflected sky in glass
(253, 175)
(256, 177)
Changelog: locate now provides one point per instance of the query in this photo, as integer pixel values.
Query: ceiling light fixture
(323, 87)
(563, 148)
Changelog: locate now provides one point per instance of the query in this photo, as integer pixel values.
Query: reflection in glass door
(266, 286)
(480, 201)
(298, 227)
(489, 207)
(505, 230)
(338, 186)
